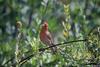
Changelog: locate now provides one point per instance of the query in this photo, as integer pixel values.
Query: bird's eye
(45, 25)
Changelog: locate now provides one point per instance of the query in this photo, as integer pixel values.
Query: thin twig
(24, 60)
(8, 60)
(93, 29)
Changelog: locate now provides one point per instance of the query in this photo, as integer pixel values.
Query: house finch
(46, 37)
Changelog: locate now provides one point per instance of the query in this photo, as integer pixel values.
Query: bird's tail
(54, 48)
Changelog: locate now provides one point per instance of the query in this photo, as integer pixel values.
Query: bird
(46, 37)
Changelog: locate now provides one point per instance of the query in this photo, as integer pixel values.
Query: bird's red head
(45, 25)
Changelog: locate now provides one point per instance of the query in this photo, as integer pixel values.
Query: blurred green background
(69, 20)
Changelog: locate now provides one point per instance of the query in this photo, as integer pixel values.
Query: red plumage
(46, 38)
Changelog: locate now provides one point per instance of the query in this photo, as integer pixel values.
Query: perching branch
(43, 49)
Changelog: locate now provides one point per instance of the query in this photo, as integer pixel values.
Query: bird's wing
(49, 37)
(51, 42)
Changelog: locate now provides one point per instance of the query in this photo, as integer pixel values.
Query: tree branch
(43, 49)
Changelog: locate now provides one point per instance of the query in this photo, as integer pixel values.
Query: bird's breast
(44, 37)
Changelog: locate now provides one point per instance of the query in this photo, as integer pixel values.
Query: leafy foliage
(75, 27)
